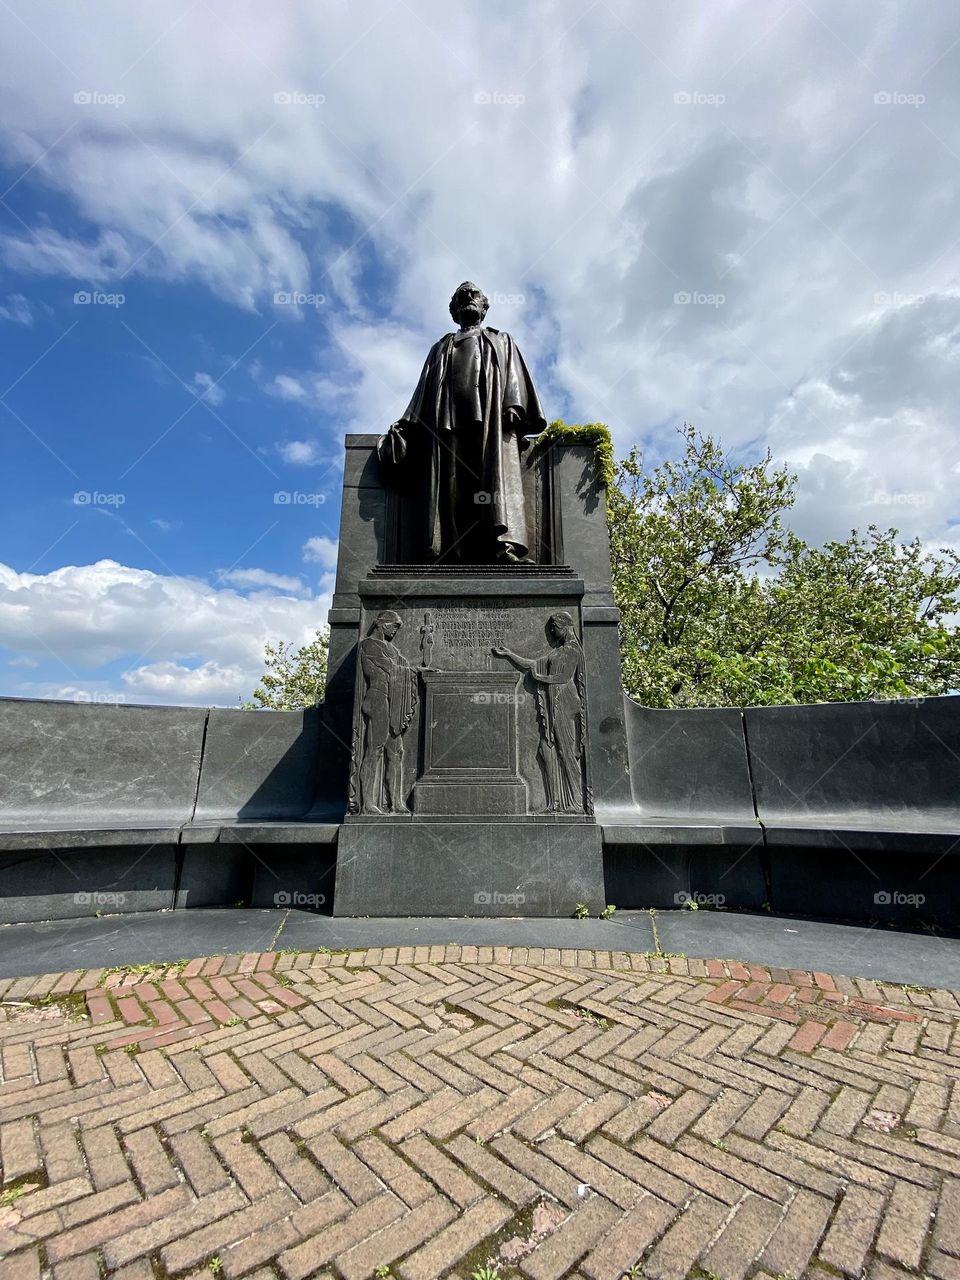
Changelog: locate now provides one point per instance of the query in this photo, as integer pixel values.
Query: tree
(722, 606)
(294, 678)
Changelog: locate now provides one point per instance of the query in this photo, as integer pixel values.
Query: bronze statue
(561, 698)
(457, 446)
(388, 702)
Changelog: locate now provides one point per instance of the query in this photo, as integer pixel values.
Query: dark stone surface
(690, 766)
(65, 763)
(258, 872)
(43, 885)
(300, 877)
(258, 765)
(214, 875)
(880, 765)
(879, 953)
(692, 831)
(852, 876)
(475, 868)
(280, 833)
(469, 617)
(89, 837)
(715, 872)
(148, 938)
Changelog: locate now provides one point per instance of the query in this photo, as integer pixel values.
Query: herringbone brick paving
(427, 1112)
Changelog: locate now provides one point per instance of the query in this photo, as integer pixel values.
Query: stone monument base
(398, 867)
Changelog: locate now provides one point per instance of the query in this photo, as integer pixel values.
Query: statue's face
(560, 628)
(469, 307)
(390, 629)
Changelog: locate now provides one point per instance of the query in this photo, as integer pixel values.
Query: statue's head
(469, 304)
(562, 625)
(388, 623)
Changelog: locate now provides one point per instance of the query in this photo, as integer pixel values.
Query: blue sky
(741, 215)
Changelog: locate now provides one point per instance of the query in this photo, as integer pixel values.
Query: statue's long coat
(428, 427)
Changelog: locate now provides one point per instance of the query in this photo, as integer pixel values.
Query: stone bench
(115, 808)
(693, 829)
(860, 806)
(834, 809)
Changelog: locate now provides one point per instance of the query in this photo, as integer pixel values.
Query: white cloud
(82, 617)
(321, 550)
(208, 389)
(288, 388)
(17, 310)
(172, 681)
(300, 453)
(244, 578)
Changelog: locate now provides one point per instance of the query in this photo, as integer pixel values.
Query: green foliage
(607, 912)
(595, 433)
(722, 606)
(581, 911)
(294, 678)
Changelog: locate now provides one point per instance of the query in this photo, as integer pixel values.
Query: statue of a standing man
(461, 436)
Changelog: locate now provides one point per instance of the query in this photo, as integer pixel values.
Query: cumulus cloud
(300, 453)
(322, 551)
(186, 641)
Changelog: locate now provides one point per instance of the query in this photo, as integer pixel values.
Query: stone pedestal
(470, 786)
(488, 782)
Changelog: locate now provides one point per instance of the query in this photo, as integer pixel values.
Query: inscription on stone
(471, 628)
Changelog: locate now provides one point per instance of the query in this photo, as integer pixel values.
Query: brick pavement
(427, 1112)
